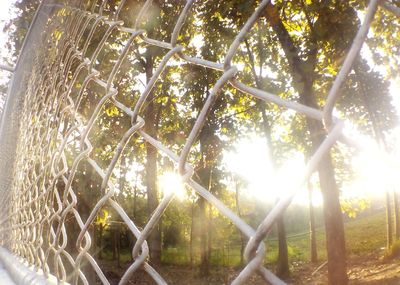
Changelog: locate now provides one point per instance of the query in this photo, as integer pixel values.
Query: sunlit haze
(251, 162)
(171, 182)
(374, 171)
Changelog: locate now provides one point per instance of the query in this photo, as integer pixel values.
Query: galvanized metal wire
(35, 209)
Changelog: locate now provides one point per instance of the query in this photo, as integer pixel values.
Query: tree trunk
(389, 226)
(335, 241)
(151, 167)
(282, 266)
(134, 206)
(239, 212)
(118, 244)
(209, 229)
(123, 169)
(204, 262)
(313, 237)
(283, 259)
(191, 235)
(114, 242)
(100, 241)
(396, 214)
(85, 204)
(209, 223)
(205, 177)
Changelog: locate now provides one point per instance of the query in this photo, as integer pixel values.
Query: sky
(5, 14)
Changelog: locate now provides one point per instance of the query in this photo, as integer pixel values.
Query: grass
(364, 235)
(125, 255)
(176, 256)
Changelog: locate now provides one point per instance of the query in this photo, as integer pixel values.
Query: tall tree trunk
(118, 244)
(209, 222)
(123, 170)
(122, 182)
(303, 80)
(282, 266)
(86, 198)
(151, 167)
(205, 177)
(204, 262)
(239, 212)
(100, 241)
(134, 206)
(191, 235)
(283, 258)
(313, 237)
(335, 241)
(114, 241)
(389, 225)
(209, 230)
(396, 214)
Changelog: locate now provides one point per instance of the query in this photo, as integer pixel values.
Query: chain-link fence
(43, 126)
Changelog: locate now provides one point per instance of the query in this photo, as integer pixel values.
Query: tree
(266, 125)
(302, 65)
(157, 25)
(303, 81)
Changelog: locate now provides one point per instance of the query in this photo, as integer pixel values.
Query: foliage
(352, 207)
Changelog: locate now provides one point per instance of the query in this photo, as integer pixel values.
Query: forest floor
(368, 270)
(365, 244)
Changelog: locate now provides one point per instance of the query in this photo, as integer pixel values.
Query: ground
(368, 270)
(365, 240)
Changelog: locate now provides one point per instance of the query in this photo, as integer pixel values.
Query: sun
(251, 161)
(171, 182)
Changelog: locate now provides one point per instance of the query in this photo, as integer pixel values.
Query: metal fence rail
(34, 161)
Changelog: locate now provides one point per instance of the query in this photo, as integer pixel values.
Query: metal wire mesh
(36, 208)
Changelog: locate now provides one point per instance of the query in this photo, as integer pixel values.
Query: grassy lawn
(364, 235)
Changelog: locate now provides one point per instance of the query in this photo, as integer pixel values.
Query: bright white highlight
(252, 163)
(171, 182)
